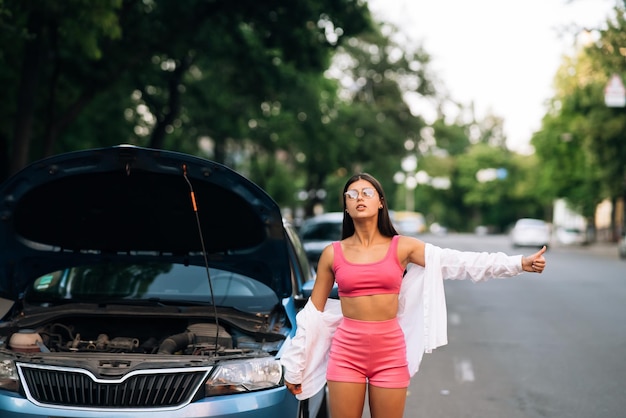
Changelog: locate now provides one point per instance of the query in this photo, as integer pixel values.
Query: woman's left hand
(294, 388)
(535, 263)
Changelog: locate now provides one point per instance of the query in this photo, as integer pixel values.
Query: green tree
(38, 74)
(372, 120)
(581, 144)
(145, 56)
(607, 125)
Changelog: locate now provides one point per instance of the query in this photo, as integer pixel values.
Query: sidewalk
(604, 249)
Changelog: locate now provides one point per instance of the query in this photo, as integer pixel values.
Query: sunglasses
(366, 192)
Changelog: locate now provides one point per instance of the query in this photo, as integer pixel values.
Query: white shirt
(421, 313)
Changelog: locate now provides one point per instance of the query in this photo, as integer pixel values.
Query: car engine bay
(172, 336)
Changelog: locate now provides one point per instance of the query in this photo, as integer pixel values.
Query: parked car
(571, 236)
(147, 283)
(529, 232)
(318, 232)
(409, 223)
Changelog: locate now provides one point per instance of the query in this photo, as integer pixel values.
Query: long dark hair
(384, 221)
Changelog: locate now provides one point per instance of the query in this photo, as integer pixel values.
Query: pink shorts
(373, 351)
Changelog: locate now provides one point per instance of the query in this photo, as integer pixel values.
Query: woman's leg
(388, 373)
(347, 369)
(360, 349)
(386, 402)
(347, 399)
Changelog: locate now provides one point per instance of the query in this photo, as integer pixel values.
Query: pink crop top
(384, 276)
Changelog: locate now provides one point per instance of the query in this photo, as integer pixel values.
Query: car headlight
(9, 379)
(244, 376)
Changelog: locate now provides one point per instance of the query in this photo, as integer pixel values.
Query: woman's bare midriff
(370, 308)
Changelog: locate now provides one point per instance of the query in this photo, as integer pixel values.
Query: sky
(500, 55)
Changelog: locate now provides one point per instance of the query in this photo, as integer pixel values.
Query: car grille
(73, 387)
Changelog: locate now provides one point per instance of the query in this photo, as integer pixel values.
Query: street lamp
(410, 183)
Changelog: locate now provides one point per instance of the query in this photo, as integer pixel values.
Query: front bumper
(276, 402)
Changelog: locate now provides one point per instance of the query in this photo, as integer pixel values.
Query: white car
(571, 236)
(529, 232)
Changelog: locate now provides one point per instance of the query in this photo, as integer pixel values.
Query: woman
(368, 351)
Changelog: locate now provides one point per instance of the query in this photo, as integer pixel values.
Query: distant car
(621, 247)
(438, 229)
(570, 236)
(318, 232)
(481, 230)
(529, 232)
(408, 223)
(139, 282)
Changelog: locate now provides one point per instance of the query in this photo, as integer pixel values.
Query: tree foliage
(150, 54)
(581, 144)
(295, 95)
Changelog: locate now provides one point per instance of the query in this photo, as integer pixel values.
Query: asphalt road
(549, 345)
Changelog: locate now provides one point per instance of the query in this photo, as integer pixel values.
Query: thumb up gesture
(535, 263)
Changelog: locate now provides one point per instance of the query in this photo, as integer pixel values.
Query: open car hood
(134, 204)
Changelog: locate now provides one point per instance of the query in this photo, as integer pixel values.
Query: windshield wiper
(128, 302)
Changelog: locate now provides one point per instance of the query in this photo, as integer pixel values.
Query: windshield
(151, 281)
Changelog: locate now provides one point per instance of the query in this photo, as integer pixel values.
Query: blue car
(146, 283)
